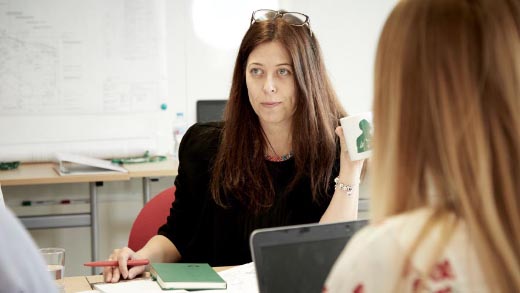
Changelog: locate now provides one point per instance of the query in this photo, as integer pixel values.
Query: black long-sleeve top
(205, 232)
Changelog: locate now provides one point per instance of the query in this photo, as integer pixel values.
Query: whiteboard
(79, 76)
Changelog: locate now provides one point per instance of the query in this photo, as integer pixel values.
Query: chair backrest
(150, 218)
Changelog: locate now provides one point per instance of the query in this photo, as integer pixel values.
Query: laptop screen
(210, 110)
(299, 258)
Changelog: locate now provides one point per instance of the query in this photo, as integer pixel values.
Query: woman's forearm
(342, 207)
(160, 249)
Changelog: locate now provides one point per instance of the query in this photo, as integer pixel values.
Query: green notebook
(186, 276)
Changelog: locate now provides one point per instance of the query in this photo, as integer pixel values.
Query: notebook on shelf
(298, 258)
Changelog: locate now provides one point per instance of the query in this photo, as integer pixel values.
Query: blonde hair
(447, 121)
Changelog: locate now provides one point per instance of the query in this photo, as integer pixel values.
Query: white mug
(358, 132)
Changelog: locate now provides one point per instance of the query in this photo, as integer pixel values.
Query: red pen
(114, 263)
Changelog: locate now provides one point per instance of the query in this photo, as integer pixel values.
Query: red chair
(150, 218)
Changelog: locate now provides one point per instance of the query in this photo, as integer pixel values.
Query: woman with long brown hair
(446, 188)
(271, 162)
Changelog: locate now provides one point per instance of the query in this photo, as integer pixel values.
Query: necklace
(276, 157)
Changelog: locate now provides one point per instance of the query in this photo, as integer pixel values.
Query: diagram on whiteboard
(82, 76)
(80, 56)
(29, 74)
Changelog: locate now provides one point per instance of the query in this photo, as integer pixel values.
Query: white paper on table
(239, 279)
(133, 286)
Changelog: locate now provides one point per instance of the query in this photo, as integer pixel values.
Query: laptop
(210, 110)
(298, 258)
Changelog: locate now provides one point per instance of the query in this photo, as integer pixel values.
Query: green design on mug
(364, 141)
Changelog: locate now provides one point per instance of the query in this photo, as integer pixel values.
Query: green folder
(186, 276)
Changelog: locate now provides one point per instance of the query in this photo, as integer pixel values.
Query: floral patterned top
(375, 260)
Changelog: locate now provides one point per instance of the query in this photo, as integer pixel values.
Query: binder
(72, 164)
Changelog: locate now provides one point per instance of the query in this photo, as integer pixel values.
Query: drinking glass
(55, 260)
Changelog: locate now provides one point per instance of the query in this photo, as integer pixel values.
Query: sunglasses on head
(292, 18)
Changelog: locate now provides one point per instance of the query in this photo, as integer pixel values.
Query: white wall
(347, 31)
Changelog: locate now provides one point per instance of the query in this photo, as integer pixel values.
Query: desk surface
(44, 173)
(83, 283)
